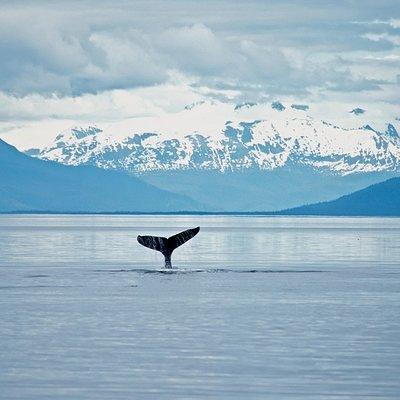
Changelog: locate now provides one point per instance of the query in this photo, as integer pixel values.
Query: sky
(97, 60)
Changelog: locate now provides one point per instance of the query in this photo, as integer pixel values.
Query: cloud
(65, 57)
(195, 50)
(106, 106)
(73, 58)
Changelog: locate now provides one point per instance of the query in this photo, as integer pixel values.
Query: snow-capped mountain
(226, 137)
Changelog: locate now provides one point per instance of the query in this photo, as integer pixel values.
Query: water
(258, 308)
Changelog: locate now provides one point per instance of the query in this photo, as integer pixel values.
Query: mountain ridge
(29, 184)
(380, 199)
(223, 137)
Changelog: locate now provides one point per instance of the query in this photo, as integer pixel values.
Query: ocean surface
(257, 308)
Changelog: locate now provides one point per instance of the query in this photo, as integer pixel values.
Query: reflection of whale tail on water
(167, 245)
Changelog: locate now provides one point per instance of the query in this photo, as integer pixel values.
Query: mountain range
(244, 157)
(31, 185)
(223, 137)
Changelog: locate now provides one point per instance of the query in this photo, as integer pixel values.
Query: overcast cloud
(67, 59)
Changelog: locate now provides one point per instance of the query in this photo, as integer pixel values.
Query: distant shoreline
(140, 213)
(198, 213)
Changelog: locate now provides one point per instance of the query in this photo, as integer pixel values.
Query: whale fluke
(167, 245)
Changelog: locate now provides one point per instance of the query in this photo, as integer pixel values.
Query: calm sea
(257, 308)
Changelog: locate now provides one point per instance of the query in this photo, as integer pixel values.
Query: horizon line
(200, 213)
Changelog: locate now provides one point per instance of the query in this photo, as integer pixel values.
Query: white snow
(291, 132)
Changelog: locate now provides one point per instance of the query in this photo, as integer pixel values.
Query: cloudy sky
(108, 60)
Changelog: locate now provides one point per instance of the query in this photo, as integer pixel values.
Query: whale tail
(167, 245)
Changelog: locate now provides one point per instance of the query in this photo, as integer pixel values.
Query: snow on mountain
(221, 136)
(357, 111)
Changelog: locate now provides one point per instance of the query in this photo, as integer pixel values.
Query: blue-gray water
(258, 308)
